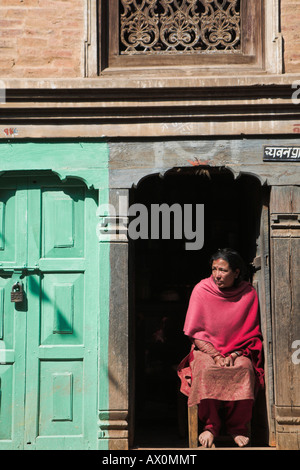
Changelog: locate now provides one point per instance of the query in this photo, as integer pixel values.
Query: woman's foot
(206, 439)
(241, 441)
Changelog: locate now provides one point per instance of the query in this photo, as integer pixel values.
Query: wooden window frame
(261, 47)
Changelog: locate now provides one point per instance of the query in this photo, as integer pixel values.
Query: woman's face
(223, 275)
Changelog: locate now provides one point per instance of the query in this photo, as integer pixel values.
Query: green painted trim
(85, 160)
(104, 279)
(104, 343)
(88, 161)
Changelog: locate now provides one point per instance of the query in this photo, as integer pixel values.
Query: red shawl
(228, 319)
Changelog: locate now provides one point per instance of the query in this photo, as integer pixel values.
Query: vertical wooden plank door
(285, 251)
(12, 320)
(49, 376)
(263, 425)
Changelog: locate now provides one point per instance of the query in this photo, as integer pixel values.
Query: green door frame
(88, 162)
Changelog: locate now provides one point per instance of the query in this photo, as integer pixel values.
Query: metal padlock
(17, 293)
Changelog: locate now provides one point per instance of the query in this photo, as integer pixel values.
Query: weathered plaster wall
(130, 161)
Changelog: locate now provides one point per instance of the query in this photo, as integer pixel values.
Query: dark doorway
(165, 274)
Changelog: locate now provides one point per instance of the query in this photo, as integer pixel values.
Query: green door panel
(12, 321)
(48, 344)
(62, 307)
(8, 226)
(63, 223)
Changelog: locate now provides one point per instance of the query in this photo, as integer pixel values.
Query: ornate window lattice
(179, 26)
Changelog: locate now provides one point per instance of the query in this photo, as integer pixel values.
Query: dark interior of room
(165, 274)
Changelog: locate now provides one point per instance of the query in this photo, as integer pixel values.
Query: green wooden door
(48, 344)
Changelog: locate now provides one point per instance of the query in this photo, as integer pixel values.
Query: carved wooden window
(180, 26)
(138, 34)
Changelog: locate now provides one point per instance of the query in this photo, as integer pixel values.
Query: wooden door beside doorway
(49, 342)
(263, 410)
(285, 251)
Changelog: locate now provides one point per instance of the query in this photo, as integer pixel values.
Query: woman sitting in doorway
(225, 365)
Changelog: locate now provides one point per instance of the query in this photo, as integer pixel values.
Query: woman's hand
(227, 361)
(220, 361)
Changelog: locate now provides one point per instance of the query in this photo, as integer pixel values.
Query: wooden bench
(193, 426)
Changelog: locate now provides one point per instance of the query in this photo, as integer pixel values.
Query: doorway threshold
(196, 449)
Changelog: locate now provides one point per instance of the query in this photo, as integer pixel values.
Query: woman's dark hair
(234, 260)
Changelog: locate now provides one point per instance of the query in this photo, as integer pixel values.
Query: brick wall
(45, 38)
(290, 20)
(41, 38)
